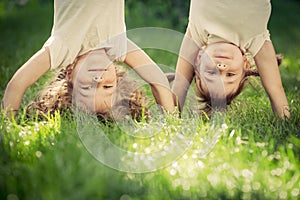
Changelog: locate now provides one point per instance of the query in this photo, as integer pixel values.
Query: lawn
(248, 153)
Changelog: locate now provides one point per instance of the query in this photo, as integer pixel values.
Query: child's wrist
(8, 111)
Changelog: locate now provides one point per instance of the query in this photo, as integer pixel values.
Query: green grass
(256, 155)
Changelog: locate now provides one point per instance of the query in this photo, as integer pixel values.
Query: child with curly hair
(59, 93)
(86, 40)
(219, 36)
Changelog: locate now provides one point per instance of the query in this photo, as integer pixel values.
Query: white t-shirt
(243, 22)
(80, 26)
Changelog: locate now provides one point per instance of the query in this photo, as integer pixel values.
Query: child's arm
(183, 77)
(184, 69)
(270, 76)
(28, 74)
(151, 73)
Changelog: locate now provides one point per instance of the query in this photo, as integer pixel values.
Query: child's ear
(68, 77)
(69, 70)
(198, 58)
(246, 64)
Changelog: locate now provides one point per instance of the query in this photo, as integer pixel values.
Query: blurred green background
(257, 156)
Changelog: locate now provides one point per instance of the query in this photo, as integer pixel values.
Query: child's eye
(107, 86)
(211, 72)
(86, 87)
(230, 74)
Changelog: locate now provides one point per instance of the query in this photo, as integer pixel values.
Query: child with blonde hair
(219, 36)
(87, 39)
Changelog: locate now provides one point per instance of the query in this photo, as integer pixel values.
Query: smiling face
(94, 82)
(222, 68)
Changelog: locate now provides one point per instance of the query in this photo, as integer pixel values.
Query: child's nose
(221, 66)
(101, 77)
(97, 79)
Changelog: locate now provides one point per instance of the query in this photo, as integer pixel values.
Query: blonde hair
(57, 96)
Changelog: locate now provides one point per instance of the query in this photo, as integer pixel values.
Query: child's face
(222, 68)
(94, 82)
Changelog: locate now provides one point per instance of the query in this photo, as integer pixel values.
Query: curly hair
(57, 96)
(204, 95)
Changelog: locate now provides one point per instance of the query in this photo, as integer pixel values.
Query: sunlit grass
(237, 165)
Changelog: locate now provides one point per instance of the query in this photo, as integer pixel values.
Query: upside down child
(213, 51)
(86, 41)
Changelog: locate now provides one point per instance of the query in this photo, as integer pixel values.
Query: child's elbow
(16, 85)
